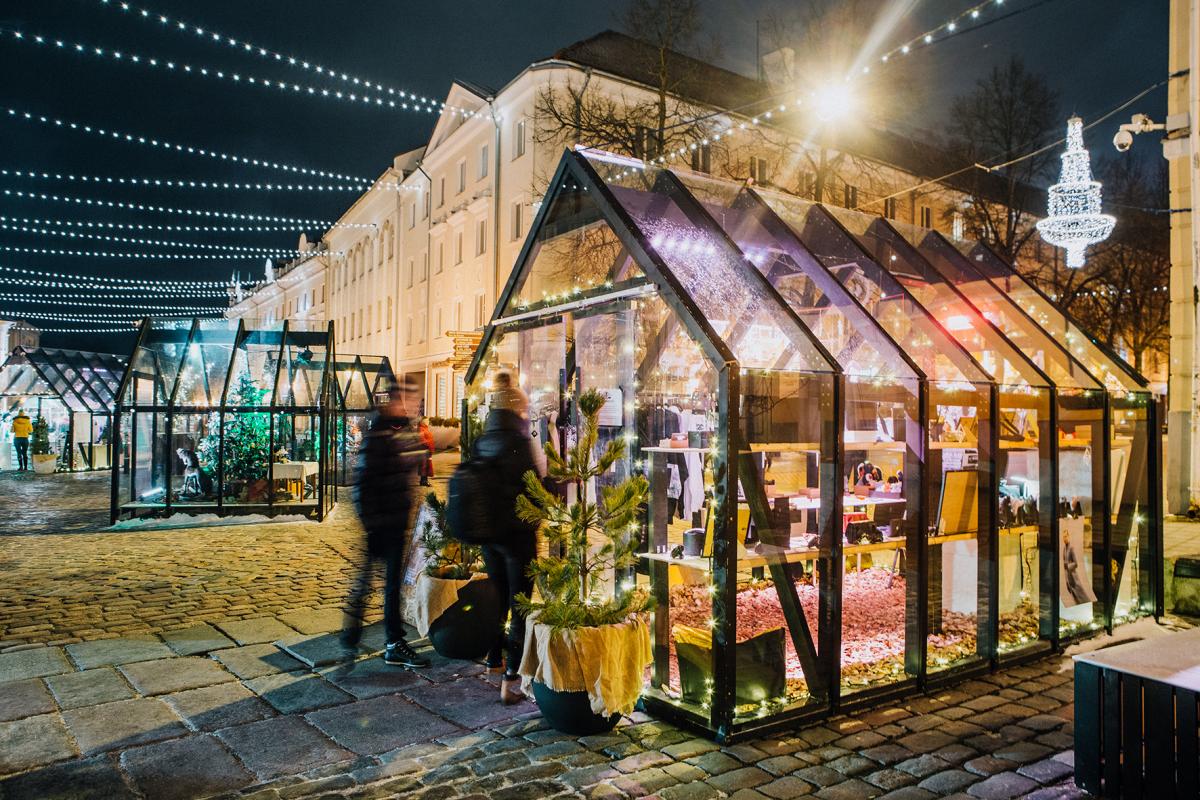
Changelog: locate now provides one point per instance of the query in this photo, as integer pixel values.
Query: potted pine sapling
(457, 606)
(44, 461)
(586, 646)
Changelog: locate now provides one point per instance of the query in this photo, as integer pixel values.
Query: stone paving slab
(469, 703)
(122, 724)
(126, 650)
(214, 707)
(255, 660)
(196, 639)
(380, 724)
(274, 747)
(256, 630)
(174, 674)
(314, 651)
(295, 692)
(370, 677)
(89, 688)
(32, 742)
(25, 698)
(310, 621)
(88, 779)
(195, 766)
(32, 663)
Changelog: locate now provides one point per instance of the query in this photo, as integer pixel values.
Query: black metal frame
(322, 412)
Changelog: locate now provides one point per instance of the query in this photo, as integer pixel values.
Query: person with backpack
(389, 461)
(506, 452)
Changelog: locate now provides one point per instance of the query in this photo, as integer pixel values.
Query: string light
(146, 226)
(207, 34)
(187, 212)
(179, 148)
(242, 250)
(949, 26)
(1074, 220)
(55, 251)
(119, 281)
(132, 318)
(179, 183)
(239, 78)
(163, 292)
(75, 300)
(32, 329)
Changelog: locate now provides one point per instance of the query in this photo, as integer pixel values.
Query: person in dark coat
(389, 461)
(505, 442)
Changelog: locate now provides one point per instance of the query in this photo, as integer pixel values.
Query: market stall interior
(228, 417)
(854, 494)
(73, 391)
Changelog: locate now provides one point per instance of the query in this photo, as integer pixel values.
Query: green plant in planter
(448, 558)
(594, 538)
(39, 443)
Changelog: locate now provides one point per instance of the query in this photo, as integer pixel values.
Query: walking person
(389, 461)
(22, 426)
(505, 442)
(427, 440)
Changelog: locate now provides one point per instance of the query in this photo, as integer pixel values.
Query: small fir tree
(247, 434)
(39, 443)
(447, 557)
(596, 539)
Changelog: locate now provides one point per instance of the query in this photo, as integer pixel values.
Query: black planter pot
(468, 629)
(571, 712)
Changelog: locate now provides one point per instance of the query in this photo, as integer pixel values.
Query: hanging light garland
(144, 226)
(32, 329)
(55, 251)
(131, 318)
(75, 300)
(121, 282)
(179, 183)
(206, 34)
(163, 292)
(240, 78)
(955, 24)
(234, 249)
(179, 148)
(1074, 220)
(187, 212)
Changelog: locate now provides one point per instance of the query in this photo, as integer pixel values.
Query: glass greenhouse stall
(73, 391)
(362, 383)
(228, 417)
(827, 445)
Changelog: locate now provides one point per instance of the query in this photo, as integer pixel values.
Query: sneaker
(510, 691)
(399, 654)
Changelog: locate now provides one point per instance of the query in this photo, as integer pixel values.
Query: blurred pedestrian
(427, 440)
(389, 461)
(22, 426)
(505, 442)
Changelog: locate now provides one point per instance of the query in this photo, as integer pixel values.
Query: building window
(367, 330)
(379, 317)
(480, 309)
(889, 207)
(458, 247)
(389, 316)
(425, 205)
(646, 144)
(483, 161)
(412, 267)
(518, 223)
(441, 192)
(758, 170)
(441, 259)
(437, 329)
(391, 241)
(926, 217)
(441, 395)
(850, 196)
(412, 216)
(462, 176)
(425, 265)
(519, 139)
(481, 237)
(958, 225)
(421, 326)
(408, 338)
(702, 158)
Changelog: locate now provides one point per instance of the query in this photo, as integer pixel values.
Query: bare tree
(1010, 113)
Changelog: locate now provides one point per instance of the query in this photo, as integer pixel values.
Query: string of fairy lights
(127, 282)
(204, 33)
(257, 252)
(146, 226)
(179, 183)
(136, 255)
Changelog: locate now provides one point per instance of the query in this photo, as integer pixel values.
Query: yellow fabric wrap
(433, 596)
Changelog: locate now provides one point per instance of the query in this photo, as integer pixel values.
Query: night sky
(1095, 53)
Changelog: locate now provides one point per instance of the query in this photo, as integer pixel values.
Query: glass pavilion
(827, 448)
(73, 391)
(228, 417)
(362, 383)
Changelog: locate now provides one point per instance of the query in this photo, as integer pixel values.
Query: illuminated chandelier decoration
(1075, 221)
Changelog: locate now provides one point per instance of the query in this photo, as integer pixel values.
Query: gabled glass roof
(984, 266)
(83, 381)
(940, 357)
(205, 363)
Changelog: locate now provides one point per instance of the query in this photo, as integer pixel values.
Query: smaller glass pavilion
(362, 383)
(73, 391)
(229, 417)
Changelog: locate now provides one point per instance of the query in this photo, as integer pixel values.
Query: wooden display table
(1135, 718)
(294, 474)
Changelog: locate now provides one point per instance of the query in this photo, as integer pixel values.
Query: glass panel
(296, 457)
(1132, 553)
(191, 457)
(575, 254)
(356, 396)
(255, 366)
(300, 379)
(156, 362)
(206, 363)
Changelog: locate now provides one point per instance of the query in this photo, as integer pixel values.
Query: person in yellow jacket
(21, 428)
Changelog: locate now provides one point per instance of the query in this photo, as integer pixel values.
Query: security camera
(1123, 140)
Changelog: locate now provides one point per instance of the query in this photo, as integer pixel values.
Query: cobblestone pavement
(62, 503)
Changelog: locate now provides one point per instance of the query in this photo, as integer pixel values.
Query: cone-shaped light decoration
(1075, 221)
